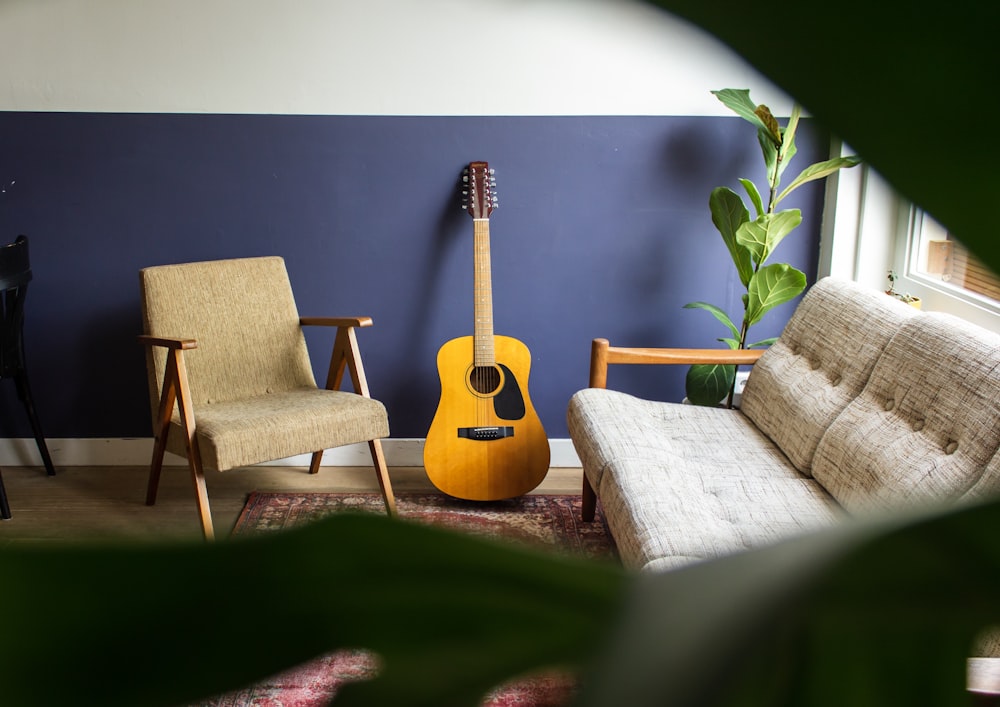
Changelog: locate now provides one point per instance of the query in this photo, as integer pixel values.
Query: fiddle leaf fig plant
(752, 239)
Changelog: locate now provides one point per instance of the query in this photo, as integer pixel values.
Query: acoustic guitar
(485, 442)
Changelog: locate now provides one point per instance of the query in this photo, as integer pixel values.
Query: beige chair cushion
(281, 425)
(255, 396)
(926, 428)
(819, 364)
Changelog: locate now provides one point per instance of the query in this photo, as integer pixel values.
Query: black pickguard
(508, 403)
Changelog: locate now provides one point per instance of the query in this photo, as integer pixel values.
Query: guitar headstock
(479, 190)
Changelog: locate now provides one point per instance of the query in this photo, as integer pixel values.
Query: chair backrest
(15, 272)
(243, 316)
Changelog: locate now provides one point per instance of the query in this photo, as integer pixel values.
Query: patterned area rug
(541, 521)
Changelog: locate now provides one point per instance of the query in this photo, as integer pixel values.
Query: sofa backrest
(820, 363)
(926, 427)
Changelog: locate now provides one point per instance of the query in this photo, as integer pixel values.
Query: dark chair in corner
(15, 272)
(230, 379)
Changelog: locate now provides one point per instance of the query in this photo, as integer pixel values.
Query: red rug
(542, 521)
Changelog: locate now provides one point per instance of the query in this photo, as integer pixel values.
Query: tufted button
(890, 404)
(951, 447)
(815, 363)
(837, 380)
(269, 390)
(918, 425)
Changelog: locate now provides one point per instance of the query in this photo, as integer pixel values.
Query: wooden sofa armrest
(603, 354)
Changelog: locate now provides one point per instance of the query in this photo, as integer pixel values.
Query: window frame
(867, 230)
(937, 295)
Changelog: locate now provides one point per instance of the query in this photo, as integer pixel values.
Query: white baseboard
(134, 451)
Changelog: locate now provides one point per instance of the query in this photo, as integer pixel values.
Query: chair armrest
(602, 354)
(336, 321)
(169, 342)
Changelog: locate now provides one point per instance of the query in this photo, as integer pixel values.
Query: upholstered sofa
(864, 404)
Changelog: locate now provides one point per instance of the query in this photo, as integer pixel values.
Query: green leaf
(771, 142)
(788, 135)
(770, 152)
(763, 342)
(717, 313)
(708, 383)
(754, 194)
(869, 613)
(771, 286)
(763, 235)
(449, 615)
(820, 170)
(728, 214)
(738, 101)
(788, 148)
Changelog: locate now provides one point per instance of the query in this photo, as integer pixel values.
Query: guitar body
(486, 442)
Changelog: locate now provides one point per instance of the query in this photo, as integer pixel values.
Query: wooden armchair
(230, 379)
(603, 354)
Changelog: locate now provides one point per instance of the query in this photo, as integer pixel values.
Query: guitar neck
(484, 353)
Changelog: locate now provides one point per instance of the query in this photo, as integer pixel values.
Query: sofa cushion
(819, 364)
(610, 426)
(682, 483)
(926, 427)
(669, 513)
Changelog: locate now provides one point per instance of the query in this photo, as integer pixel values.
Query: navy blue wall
(603, 230)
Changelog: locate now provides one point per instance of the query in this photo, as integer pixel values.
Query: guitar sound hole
(484, 379)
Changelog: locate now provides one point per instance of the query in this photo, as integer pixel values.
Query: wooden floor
(86, 503)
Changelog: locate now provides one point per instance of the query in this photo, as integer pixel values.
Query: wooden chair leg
(317, 459)
(176, 390)
(382, 473)
(201, 497)
(186, 409)
(347, 355)
(168, 396)
(155, 467)
(4, 505)
(589, 501)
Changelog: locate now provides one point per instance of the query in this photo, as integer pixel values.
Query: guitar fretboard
(484, 354)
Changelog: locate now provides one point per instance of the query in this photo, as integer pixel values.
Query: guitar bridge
(485, 434)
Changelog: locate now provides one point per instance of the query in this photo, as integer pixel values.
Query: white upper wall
(365, 57)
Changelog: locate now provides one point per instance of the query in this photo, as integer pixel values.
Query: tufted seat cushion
(819, 364)
(926, 427)
(682, 483)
